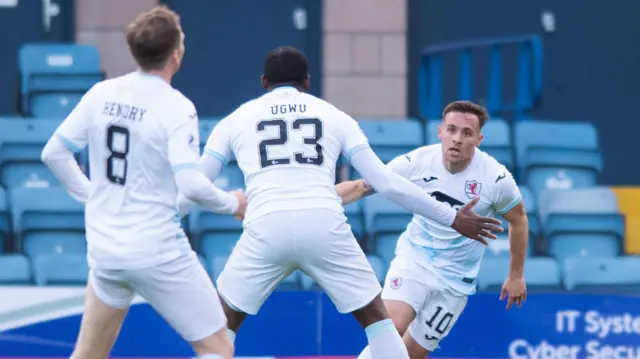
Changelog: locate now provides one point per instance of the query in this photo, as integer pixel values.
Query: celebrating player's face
(460, 135)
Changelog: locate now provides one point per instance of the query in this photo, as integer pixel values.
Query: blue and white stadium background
(557, 77)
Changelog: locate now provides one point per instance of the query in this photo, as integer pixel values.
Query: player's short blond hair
(153, 36)
(468, 107)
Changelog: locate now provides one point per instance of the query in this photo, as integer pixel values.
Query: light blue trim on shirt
(284, 87)
(150, 75)
(184, 166)
(68, 144)
(510, 207)
(356, 149)
(217, 155)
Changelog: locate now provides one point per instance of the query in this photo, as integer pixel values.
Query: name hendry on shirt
(123, 111)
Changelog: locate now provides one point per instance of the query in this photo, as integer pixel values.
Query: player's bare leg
(416, 351)
(99, 328)
(384, 339)
(214, 346)
(401, 313)
(234, 319)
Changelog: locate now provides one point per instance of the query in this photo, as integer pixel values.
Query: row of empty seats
(622, 273)
(542, 155)
(53, 77)
(565, 223)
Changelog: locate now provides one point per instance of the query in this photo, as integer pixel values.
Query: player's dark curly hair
(286, 65)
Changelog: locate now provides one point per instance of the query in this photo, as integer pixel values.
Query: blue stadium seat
(391, 138)
(496, 142)
(379, 267)
(47, 220)
(385, 222)
(214, 244)
(501, 247)
(60, 269)
(355, 219)
(14, 269)
(206, 125)
(215, 265)
(307, 283)
(581, 222)
(595, 273)
(557, 155)
(55, 76)
(5, 228)
(215, 234)
(531, 206)
(203, 262)
(21, 143)
(540, 273)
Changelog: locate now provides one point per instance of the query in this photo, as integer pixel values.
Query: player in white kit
(144, 147)
(435, 267)
(287, 143)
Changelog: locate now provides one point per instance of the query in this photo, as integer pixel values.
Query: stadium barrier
(467, 55)
(43, 322)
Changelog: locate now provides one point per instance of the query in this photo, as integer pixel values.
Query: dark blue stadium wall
(591, 70)
(227, 42)
(24, 23)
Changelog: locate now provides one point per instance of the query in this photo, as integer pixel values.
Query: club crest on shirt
(395, 282)
(472, 188)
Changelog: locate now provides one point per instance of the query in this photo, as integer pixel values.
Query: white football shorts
(180, 291)
(437, 307)
(317, 241)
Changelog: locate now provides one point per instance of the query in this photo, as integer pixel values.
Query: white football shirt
(287, 144)
(139, 131)
(455, 258)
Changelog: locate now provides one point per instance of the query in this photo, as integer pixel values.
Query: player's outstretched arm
(515, 286)
(64, 167)
(351, 191)
(399, 189)
(183, 146)
(211, 166)
(518, 238)
(193, 184)
(412, 198)
(71, 137)
(196, 187)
